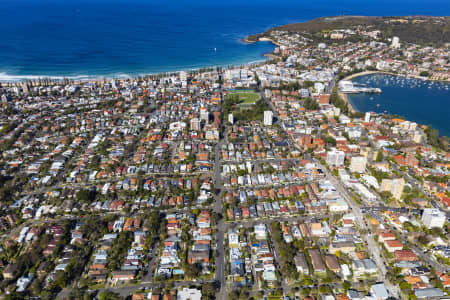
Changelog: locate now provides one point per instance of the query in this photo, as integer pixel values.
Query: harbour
(423, 101)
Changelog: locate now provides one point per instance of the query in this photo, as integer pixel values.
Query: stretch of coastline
(11, 80)
(345, 97)
(350, 77)
(422, 101)
(261, 39)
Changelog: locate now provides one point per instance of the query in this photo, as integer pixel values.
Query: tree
(379, 156)
(436, 231)
(233, 295)
(434, 139)
(310, 104)
(330, 140)
(423, 240)
(209, 290)
(13, 296)
(193, 270)
(346, 286)
(85, 196)
(109, 296)
(61, 279)
(337, 101)
(405, 285)
(306, 291)
(324, 289)
(308, 84)
(386, 196)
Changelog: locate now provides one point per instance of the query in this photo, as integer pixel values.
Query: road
(371, 245)
(218, 206)
(127, 290)
(423, 256)
(373, 248)
(413, 182)
(268, 221)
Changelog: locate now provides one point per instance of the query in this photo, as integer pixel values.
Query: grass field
(246, 98)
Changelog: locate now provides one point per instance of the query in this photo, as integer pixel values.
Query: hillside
(413, 29)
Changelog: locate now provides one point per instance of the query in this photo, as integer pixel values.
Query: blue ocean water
(130, 37)
(425, 102)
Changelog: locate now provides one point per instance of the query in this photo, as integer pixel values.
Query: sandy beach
(344, 96)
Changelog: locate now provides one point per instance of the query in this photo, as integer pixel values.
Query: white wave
(4, 77)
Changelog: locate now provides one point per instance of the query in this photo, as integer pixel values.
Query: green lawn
(246, 98)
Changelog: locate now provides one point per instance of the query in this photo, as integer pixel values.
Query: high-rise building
(433, 217)
(395, 42)
(335, 158)
(367, 117)
(358, 164)
(204, 114)
(230, 119)
(395, 186)
(195, 124)
(268, 117)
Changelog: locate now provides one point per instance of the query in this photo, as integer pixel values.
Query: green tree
(209, 290)
(86, 196)
(310, 104)
(405, 285)
(346, 286)
(379, 156)
(193, 270)
(109, 296)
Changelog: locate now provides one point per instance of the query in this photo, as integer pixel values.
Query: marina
(419, 100)
(348, 87)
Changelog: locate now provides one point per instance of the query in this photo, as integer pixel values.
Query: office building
(358, 164)
(395, 186)
(268, 117)
(433, 217)
(335, 158)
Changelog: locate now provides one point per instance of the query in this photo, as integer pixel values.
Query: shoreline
(12, 80)
(261, 39)
(120, 76)
(351, 107)
(390, 73)
(345, 97)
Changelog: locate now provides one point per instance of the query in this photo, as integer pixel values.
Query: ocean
(422, 101)
(95, 38)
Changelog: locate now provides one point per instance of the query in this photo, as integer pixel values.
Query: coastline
(350, 106)
(345, 97)
(13, 80)
(350, 77)
(390, 73)
(261, 39)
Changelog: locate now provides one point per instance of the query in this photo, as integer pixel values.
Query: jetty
(348, 87)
